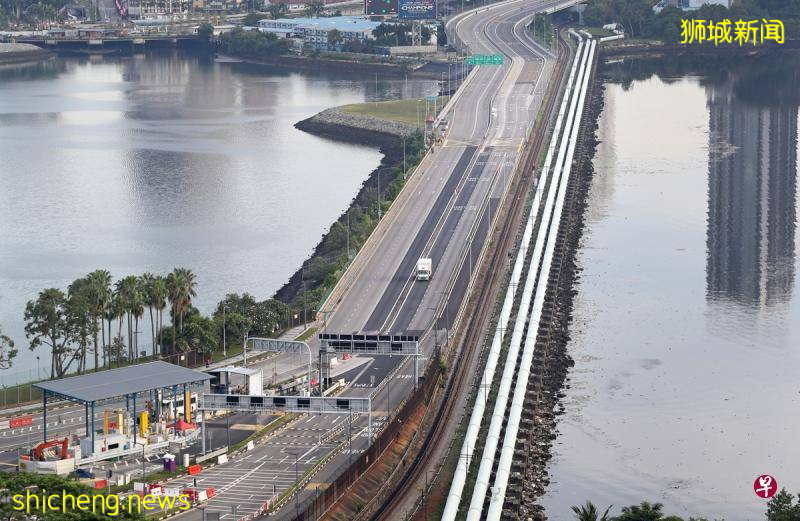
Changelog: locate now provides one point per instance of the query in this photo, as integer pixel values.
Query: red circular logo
(765, 486)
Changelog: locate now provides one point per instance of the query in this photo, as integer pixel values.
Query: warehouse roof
(112, 383)
(342, 23)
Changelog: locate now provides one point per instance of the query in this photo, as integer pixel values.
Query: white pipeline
(506, 380)
(512, 428)
(475, 419)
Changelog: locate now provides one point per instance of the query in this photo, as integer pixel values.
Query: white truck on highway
(424, 269)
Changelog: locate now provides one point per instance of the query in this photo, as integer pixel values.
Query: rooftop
(112, 383)
(343, 23)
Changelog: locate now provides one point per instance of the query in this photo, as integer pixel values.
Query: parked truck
(424, 268)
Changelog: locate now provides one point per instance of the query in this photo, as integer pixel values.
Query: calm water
(146, 163)
(687, 318)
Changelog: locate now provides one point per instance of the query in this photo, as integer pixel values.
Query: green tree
(277, 10)
(131, 297)
(205, 31)
(117, 310)
(251, 20)
(644, 511)
(7, 351)
(80, 317)
(315, 8)
(782, 507)
(181, 288)
(589, 512)
(244, 314)
(253, 44)
(198, 333)
(99, 299)
(47, 324)
(334, 37)
(154, 289)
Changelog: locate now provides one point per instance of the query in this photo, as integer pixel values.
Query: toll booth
(237, 380)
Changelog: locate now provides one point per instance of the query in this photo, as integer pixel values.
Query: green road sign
(484, 59)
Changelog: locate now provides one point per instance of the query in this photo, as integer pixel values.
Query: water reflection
(147, 162)
(752, 173)
(686, 321)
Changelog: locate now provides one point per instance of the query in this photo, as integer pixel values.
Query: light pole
(228, 428)
(38, 369)
(404, 157)
(449, 78)
(288, 314)
(389, 396)
(224, 345)
(303, 277)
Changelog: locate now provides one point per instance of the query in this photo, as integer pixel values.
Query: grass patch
(597, 32)
(308, 333)
(409, 111)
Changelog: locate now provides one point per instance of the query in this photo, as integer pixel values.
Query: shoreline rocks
(21, 52)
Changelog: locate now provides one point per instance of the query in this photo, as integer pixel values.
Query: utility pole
(404, 172)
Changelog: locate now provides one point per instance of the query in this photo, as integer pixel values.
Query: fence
(320, 503)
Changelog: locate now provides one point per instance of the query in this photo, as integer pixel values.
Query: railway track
(489, 280)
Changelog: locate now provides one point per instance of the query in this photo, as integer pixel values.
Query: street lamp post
(228, 428)
(404, 157)
(449, 78)
(224, 345)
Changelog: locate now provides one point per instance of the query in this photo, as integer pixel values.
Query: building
(752, 182)
(690, 5)
(314, 31)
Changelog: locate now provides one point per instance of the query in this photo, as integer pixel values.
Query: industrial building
(314, 31)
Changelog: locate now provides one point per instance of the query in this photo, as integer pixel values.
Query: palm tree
(155, 292)
(117, 310)
(128, 291)
(181, 286)
(100, 298)
(589, 512)
(137, 310)
(160, 302)
(81, 315)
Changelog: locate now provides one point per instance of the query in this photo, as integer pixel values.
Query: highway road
(446, 214)
(451, 200)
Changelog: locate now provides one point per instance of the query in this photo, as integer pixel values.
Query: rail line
(484, 302)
